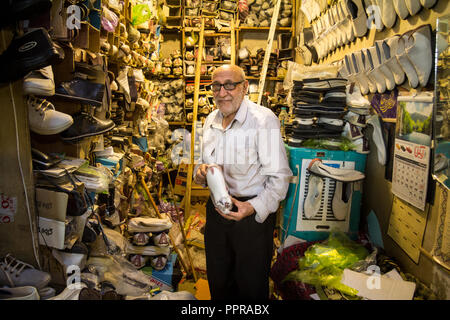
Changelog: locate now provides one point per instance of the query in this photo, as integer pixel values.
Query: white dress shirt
(252, 155)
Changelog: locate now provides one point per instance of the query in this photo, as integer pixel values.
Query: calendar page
(411, 163)
(410, 172)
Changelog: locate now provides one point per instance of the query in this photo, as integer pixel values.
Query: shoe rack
(183, 20)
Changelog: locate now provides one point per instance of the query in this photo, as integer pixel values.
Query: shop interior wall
(19, 235)
(377, 195)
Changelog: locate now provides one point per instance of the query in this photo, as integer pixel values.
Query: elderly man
(244, 139)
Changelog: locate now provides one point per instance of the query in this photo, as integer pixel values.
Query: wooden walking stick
(183, 233)
(155, 207)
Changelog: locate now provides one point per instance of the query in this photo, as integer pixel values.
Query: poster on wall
(412, 148)
(385, 104)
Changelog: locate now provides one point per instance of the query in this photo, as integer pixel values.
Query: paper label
(8, 208)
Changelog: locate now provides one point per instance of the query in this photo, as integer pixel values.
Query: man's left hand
(245, 209)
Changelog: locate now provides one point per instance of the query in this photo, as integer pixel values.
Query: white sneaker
(19, 293)
(44, 119)
(16, 273)
(311, 205)
(342, 199)
(39, 82)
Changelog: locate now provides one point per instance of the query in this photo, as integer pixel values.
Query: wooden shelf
(263, 28)
(267, 78)
(179, 123)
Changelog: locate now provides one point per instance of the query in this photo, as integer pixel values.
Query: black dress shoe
(82, 91)
(85, 125)
(32, 51)
(16, 10)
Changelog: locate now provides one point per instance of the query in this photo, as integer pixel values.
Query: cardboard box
(163, 278)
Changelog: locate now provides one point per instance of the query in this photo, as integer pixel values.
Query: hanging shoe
(342, 199)
(358, 17)
(401, 9)
(375, 71)
(405, 63)
(419, 52)
(384, 68)
(388, 16)
(389, 48)
(360, 75)
(413, 6)
(311, 204)
(428, 3)
(44, 119)
(316, 166)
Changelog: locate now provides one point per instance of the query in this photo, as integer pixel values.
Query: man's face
(229, 101)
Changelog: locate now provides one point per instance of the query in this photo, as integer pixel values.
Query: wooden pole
(198, 64)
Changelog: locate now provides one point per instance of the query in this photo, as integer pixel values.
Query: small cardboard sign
(51, 233)
(8, 208)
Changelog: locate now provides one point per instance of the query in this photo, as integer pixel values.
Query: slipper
(342, 199)
(317, 167)
(311, 205)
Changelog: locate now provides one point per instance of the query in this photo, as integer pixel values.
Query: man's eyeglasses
(227, 85)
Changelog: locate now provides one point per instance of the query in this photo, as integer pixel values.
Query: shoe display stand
(317, 227)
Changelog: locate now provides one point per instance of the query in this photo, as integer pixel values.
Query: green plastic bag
(323, 263)
(140, 13)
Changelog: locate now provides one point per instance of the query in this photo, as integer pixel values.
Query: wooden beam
(187, 203)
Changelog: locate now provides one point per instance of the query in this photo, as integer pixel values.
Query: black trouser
(238, 255)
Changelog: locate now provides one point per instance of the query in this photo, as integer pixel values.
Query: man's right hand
(200, 175)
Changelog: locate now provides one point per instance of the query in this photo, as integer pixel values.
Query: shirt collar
(240, 116)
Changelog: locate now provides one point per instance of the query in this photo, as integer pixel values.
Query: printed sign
(8, 208)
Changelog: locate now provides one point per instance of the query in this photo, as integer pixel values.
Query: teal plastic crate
(320, 226)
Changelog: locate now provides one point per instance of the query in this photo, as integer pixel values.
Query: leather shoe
(82, 91)
(32, 51)
(86, 125)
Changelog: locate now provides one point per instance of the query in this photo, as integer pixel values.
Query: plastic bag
(96, 179)
(121, 273)
(116, 240)
(109, 20)
(323, 263)
(140, 14)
